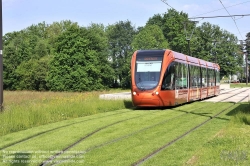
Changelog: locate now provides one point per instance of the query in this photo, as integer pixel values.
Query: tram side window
(204, 76)
(217, 73)
(211, 77)
(194, 76)
(168, 79)
(181, 75)
(208, 77)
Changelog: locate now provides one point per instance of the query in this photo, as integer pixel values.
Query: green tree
(120, 37)
(32, 75)
(16, 50)
(150, 37)
(80, 60)
(9, 66)
(202, 45)
(41, 49)
(20, 47)
(213, 44)
(99, 42)
(172, 25)
(54, 30)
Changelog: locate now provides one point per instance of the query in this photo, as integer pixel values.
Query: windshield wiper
(141, 86)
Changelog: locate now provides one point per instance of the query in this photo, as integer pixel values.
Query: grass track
(17, 137)
(182, 152)
(137, 137)
(142, 143)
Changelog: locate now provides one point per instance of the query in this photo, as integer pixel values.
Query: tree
(202, 45)
(32, 75)
(120, 37)
(20, 47)
(80, 60)
(99, 43)
(172, 24)
(54, 30)
(226, 50)
(150, 37)
(41, 49)
(16, 50)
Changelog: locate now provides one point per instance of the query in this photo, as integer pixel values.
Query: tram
(162, 78)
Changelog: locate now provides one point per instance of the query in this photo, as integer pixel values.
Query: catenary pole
(1, 55)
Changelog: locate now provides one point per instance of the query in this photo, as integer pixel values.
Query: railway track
(56, 128)
(127, 135)
(228, 91)
(152, 126)
(166, 145)
(192, 111)
(195, 111)
(86, 136)
(234, 95)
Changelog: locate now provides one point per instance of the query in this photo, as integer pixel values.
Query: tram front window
(147, 73)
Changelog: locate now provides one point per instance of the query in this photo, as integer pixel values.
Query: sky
(20, 14)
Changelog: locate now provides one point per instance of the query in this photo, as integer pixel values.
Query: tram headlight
(157, 93)
(134, 93)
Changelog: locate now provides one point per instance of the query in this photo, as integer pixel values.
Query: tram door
(211, 82)
(195, 83)
(168, 86)
(181, 83)
(204, 83)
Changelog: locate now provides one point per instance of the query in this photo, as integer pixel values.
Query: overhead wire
(238, 15)
(221, 8)
(232, 16)
(164, 1)
(188, 38)
(195, 17)
(232, 19)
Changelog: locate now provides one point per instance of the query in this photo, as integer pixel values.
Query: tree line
(64, 56)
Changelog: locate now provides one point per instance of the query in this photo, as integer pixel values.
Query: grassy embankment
(26, 109)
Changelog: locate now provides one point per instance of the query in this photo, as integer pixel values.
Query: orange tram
(168, 78)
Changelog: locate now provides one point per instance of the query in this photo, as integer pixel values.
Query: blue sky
(19, 14)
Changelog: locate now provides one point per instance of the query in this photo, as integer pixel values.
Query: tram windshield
(148, 69)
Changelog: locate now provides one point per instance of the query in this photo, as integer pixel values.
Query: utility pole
(246, 68)
(214, 43)
(189, 37)
(1, 56)
(243, 45)
(189, 53)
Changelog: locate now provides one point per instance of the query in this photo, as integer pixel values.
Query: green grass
(239, 85)
(221, 142)
(58, 139)
(16, 137)
(130, 134)
(24, 110)
(230, 146)
(144, 132)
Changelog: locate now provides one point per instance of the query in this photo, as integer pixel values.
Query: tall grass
(25, 109)
(241, 116)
